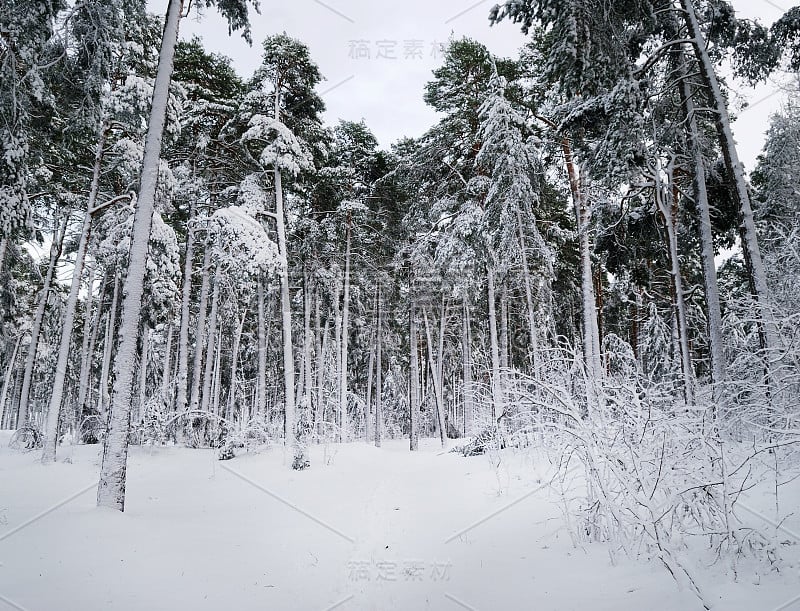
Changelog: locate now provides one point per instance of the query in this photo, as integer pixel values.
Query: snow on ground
(363, 529)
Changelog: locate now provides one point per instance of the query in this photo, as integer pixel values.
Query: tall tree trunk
(497, 392)
(337, 342)
(505, 359)
(166, 374)
(261, 378)
(3, 249)
(36, 327)
(413, 390)
(530, 306)
(212, 338)
(320, 356)
(713, 310)
(90, 324)
(591, 332)
(286, 304)
(143, 374)
(466, 366)
(668, 207)
(103, 397)
(369, 420)
(59, 380)
(308, 343)
(319, 415)
(237, 338)
(435, 363)
(750, 245)
(200, 332)
(583, 215)
(345, 334)
(5, 412)
(111, 488)
(216, 375)
(181, 401)
(378, 375)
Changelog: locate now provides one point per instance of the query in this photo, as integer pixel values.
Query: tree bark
(36, 327)
(722, 120)
(668, 207)
(261, 379)
(345, 333)
(3, 249)
(143, 373)
(111, 488)
(435, 363)
(497, 392)
(90, 324)
(466, 365)
(237, 338)
(369, 420)
(530, 306)
(413, 390)
(378, 375)
(308, 343)
(286, 304)
(713, 310)
(5, 412)
(166, 377)
(200, 332)
(103, 397)
(210, 348)
(181, 401)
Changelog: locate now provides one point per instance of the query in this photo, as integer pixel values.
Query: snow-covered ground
(364, 528)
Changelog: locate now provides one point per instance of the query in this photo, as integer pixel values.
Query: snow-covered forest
(544, 356)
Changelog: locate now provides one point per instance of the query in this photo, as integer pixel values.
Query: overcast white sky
(351, 41)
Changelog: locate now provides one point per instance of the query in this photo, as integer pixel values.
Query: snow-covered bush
(658, 477)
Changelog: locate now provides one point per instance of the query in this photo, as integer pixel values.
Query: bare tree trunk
(770, 339)
(5, 413)
(166, 375)
(368, 416)
(237, 338)
(3, 249)
(504, 349)
(143, 374)
(668, 207)
(261, 379)
(200, 332)
(497, 392)
(345, 334)
(212, 338)
(583, 215)
(111, 489)
(413, 389)
(216, 375)
(90, 324)
(103, 396)
(286, 305)
(713, 310)
(337, 342)
(378, 375)
(530, 306)
(181, 401)
(591, 332)
(435, 363)
(36, 327)
(466, 365)
(308, 344)
(319, 415)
